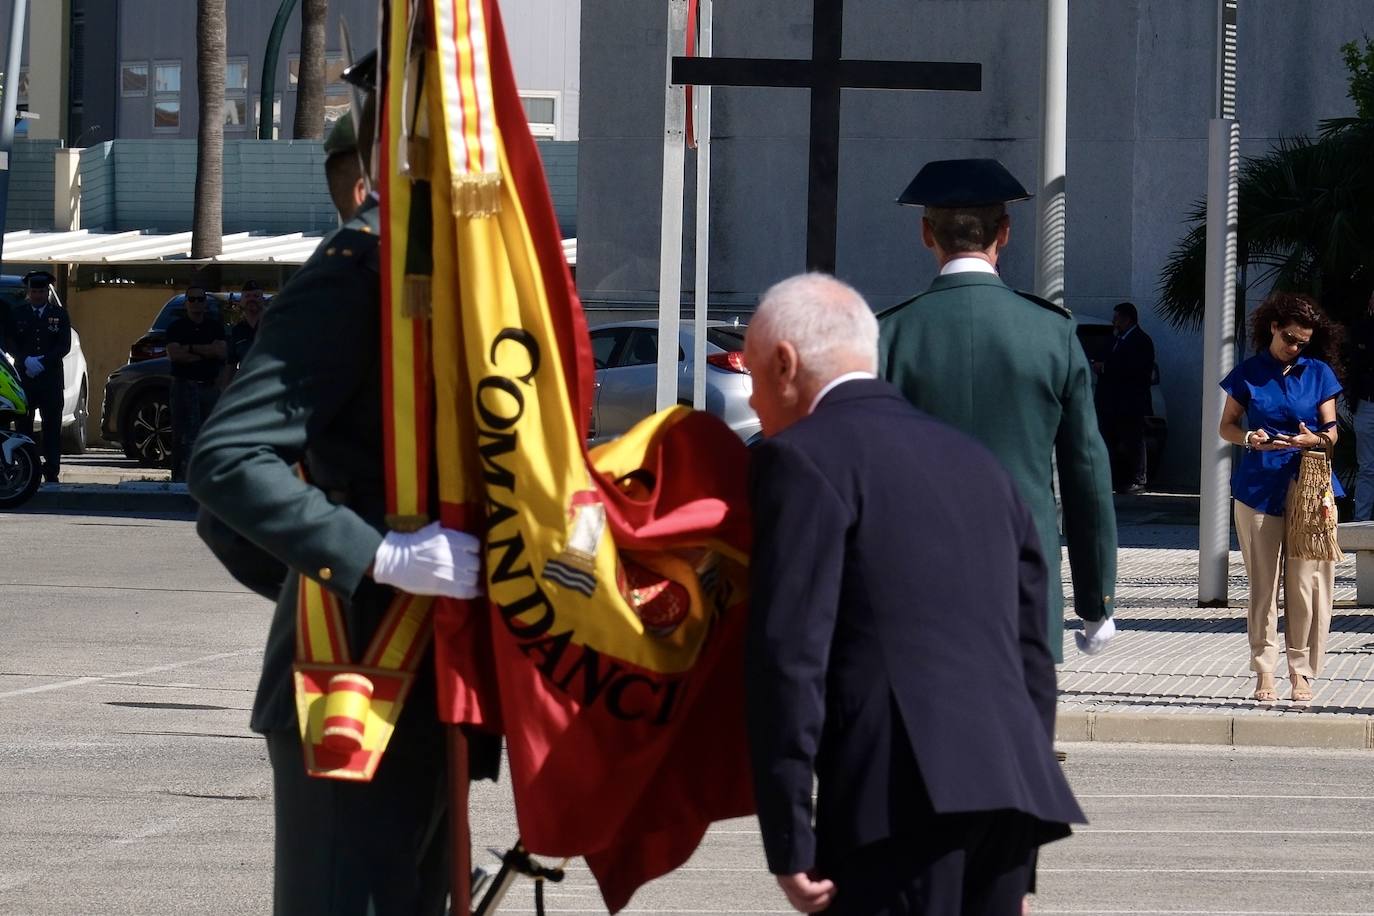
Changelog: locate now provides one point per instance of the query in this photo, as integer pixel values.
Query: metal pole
(8, 110)
(1218, 337)
(1049, 204)
(703, 256)
(670, 247)
(269, 68)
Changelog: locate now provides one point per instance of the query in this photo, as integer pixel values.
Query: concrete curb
(134, 497)
(1313, 730)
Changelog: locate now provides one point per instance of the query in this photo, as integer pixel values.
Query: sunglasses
(1294, 341)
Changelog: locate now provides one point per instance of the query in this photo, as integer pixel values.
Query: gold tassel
(406, 524)
(477, 195)
(1311, 512)
(416, 303)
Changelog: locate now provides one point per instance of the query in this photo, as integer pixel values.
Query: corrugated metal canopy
(81, 246)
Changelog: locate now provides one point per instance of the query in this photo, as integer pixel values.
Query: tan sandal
(1302, 690)
(1264, 689)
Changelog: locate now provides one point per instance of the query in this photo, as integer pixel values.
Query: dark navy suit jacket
(897, 634)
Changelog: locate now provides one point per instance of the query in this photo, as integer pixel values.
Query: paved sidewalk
(1177, 672)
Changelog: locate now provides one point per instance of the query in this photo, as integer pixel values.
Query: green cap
(342, 138)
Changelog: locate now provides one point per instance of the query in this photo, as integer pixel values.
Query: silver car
(626, 356)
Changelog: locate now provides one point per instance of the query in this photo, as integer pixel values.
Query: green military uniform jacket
(1010, 372)
(309, 391)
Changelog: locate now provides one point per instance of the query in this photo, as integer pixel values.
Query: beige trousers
(1307, 596)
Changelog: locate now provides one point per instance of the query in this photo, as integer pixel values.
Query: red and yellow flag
(609, 650)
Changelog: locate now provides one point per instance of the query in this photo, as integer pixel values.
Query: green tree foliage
(1306, 215)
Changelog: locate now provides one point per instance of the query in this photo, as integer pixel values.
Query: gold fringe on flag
(477, 195)
(1311, 511)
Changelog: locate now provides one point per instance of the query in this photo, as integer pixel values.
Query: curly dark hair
(1286, 308)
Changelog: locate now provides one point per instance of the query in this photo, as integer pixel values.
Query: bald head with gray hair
(826, 320)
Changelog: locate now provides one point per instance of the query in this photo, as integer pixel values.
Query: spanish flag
(609, 649)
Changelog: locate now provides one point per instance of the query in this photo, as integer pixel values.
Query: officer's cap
(342, 137)
(363, 72)
(962, 183)
(38, 279)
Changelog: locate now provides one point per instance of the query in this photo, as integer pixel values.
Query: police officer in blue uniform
(39, 335)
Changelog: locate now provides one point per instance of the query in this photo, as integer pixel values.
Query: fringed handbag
(1311, 509)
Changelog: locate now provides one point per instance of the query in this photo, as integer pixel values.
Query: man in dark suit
(1123, 398)
(897, 647)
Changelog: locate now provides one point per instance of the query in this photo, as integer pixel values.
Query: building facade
(1141, 78)
(126, 69)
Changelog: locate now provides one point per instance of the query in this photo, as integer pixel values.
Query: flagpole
(1049, 200)
(1218, 322)
(670, 247)
(703, 253)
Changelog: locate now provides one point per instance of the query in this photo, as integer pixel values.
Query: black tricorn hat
(363, 72)
(37, 279)
(962, 183)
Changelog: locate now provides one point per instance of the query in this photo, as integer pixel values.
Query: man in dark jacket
(897, 647)
(39, 335)
(1123, 398)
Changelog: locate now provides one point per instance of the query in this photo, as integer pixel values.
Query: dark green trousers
(363, 849)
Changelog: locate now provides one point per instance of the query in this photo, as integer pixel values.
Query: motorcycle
(20, 460)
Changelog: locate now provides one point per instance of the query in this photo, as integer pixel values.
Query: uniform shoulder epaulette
(352, 245)
(1044, 303)
(894, 309)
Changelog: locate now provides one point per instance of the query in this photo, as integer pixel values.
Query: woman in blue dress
(1280, 401)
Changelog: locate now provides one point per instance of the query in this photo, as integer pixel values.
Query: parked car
(75, 385)
(626, 356)
(1095, 334)
(136, 414)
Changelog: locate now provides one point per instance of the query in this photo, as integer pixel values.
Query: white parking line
(95, 679)
(1268, 797)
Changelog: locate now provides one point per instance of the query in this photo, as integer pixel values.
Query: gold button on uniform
(326, 573)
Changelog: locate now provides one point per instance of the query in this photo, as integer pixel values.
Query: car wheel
(74, 436)
(147, 432)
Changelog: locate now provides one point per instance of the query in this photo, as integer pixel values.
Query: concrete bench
(1359, 537)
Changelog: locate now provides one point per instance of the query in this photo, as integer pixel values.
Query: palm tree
(1304, 216)
(207, 229)
(309, 123)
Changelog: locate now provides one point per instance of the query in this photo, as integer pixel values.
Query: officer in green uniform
(1007, 368)
(39, 335)
(309, 391)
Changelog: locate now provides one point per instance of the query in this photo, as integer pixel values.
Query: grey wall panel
(31, 185)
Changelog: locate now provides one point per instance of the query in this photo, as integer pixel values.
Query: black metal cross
(825, 74)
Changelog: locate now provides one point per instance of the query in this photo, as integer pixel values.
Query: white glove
(1095, 635)
(431, 561)
(33, 365)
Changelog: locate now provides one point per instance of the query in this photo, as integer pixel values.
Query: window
(236, 93)
(541, 109)
(167, 95)
(334, 67)
(603, 346)
(336, 105)
(133, 78)
(236, 74)
(642, 349)
(168, 77)
(22, 94)
(166, 115)
(276, 114)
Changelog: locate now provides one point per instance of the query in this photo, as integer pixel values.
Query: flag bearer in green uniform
(310, 391)
(1007, 368)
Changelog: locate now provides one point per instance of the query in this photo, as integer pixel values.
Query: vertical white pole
(1218, 336)
(702, 97)
(670, 251)
(1054, 106)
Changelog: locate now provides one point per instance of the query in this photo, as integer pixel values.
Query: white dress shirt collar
(837, 382)
(967, 266)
